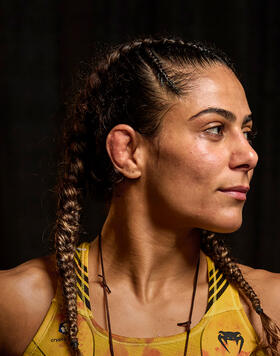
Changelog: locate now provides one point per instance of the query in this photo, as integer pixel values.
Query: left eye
(248, 135)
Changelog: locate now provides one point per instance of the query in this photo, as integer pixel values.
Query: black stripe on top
(83, 298)
(214, 284)
(214, 278)
(82, 285)
(211, 292)
(82, 275)
(82, 278)
(219, 294)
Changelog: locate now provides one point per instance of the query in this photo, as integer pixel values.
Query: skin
(150, 237)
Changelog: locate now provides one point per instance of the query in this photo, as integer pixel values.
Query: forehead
(216, 86)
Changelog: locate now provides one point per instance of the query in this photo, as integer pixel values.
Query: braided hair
(132, 84)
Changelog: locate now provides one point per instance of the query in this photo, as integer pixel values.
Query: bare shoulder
(267, 287)
(26, 292)
(265, 283)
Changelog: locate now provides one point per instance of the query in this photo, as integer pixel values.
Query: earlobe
(123, 147)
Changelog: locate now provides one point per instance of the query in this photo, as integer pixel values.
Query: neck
(147, 258)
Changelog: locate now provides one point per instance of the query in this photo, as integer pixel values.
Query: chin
(225, 229)
(224, 225)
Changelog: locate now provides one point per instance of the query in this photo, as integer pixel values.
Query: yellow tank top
(223, 330)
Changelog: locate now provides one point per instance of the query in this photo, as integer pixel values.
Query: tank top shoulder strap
(51, 328)
(222, 296)
(51, 337)
(81, 268)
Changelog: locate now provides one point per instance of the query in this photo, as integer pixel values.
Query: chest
(159, 318)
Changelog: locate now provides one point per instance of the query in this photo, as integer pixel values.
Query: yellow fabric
(223, 330)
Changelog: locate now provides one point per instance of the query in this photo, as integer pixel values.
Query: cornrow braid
(215, 248)
(148, 54)
(137, 44)
(161, 73)
(121, 51)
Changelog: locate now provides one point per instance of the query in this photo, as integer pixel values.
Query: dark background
(44, 42)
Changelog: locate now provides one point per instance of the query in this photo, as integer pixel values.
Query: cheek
(193, 164)
(182, 187)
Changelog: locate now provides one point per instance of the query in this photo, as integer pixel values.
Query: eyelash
(251, 135)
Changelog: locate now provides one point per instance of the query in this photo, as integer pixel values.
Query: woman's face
(200, 177)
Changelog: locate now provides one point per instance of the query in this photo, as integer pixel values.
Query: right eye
(215, 130)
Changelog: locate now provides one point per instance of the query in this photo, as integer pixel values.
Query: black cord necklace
(106, 289)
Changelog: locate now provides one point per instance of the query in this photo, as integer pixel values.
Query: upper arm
(25, 296)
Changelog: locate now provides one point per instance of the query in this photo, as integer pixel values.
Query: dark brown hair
(132, 84)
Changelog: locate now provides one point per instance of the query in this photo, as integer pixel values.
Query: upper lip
(237, 188)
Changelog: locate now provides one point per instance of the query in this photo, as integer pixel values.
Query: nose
(243, 156)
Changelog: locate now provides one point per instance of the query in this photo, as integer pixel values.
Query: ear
(124, 147)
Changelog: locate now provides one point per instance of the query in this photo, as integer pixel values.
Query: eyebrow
(228, 115)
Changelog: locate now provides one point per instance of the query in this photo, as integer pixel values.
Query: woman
(163, 129)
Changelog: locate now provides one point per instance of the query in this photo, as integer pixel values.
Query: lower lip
(235, 194)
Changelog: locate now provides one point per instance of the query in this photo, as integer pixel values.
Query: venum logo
(225, 336)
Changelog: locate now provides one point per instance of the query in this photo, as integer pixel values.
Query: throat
(145, 266)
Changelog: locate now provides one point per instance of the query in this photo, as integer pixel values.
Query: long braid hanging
(215, 248)
(67, 225)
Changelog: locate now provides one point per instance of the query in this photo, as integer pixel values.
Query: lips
(237, 192)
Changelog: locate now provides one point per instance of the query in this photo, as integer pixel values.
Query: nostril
(243, 167)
